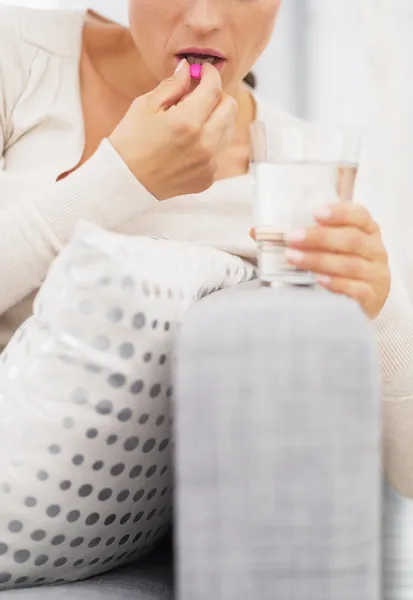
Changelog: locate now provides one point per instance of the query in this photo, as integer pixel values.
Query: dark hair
(251, 80)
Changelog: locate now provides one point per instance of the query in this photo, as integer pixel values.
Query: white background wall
(315, 66)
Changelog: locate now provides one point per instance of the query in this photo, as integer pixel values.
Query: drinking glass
(297, 168)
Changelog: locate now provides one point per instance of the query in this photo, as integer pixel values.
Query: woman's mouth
(198, 58)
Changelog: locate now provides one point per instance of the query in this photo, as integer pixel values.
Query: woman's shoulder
(51, 30)
(26, 34)
(15, 60)
(10, 28)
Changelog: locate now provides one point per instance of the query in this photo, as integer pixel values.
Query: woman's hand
(170, 137)
(347, 253)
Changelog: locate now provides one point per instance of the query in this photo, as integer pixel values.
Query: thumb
(172, 90)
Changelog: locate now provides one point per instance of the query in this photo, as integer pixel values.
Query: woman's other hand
(170, 137)
(346, 251)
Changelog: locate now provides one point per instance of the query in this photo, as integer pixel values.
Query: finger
(199, 105)
(172, 90)
(335, 265)
(220, 126)
(360, 291)
(347, 214)
(341, 240)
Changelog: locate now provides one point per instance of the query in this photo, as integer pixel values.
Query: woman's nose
(204, 16)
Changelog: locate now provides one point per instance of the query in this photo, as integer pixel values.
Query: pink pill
(196, 71)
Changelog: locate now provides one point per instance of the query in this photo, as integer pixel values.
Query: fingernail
(323, 279)
(294, 256)
(296, 236)
(324, 214)
(180, 66)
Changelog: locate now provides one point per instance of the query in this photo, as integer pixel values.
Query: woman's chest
(101, 113)
(58, 124)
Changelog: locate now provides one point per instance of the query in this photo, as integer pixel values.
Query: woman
(95, 124)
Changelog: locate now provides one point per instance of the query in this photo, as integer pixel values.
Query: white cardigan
(42, 136)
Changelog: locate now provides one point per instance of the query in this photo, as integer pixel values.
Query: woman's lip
(218, 64)
(206, 51)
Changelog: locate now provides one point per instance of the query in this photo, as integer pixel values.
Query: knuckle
(376, 228)
(320, 237)
(211, 171)
(217, 94)
(184, 128)
(205, 180)
(355, 241)
(383, 277)
(361, 293)
(319, 264)
(355, 268)
(382, 254)
(200, 186)
(204, 153)
(232, 104)
(359, 211)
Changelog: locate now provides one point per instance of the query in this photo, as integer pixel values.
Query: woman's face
(234, 32)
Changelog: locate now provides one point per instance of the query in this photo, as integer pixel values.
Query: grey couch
(277, 461)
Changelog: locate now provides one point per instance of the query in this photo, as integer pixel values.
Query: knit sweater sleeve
(394, 333)
(34, 229)
(37, 220)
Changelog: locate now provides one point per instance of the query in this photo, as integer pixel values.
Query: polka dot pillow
(85, 392)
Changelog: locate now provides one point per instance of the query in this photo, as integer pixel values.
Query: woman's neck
(111, 49)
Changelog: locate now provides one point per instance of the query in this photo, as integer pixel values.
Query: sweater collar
(58, 32)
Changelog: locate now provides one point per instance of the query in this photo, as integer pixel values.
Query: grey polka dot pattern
(115, 314)
(101, 342)
(131, 444)
(73, 516)
(15, 526)
(85, 491)
(125, 414)
(104, 407)
(139, 321)
(127, 350)
(38, 535)
(53, 510)
(57, 540)
(149, 445)
(137, 387)
(135, 471)
(105, 494)
(117, 380)
(68, 423)
(92, 433)
(117, 469)
(86, 484)
(92, 519)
